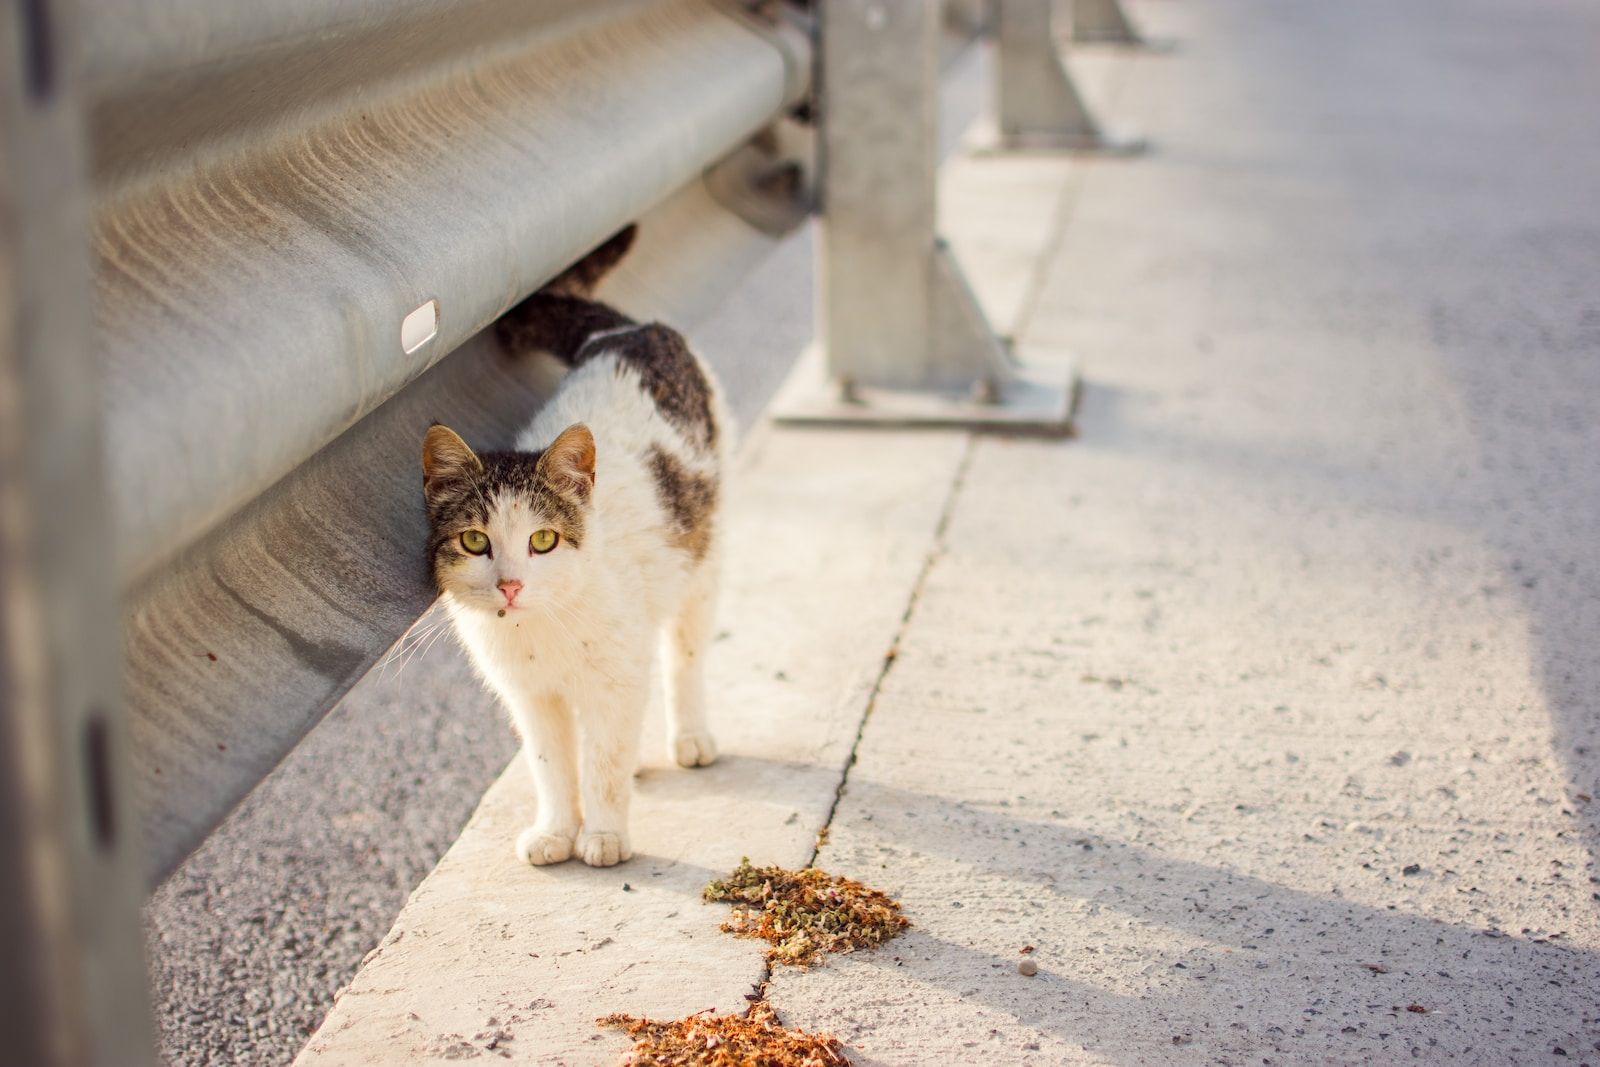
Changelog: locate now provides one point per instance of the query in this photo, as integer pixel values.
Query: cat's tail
(581, 278)
(561, 317)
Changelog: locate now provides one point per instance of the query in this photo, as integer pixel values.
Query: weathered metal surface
(226, 77)
(71, 960)
(254, 265)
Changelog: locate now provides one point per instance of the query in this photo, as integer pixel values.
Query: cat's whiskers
(556, 620)
(415, 642)
(414, 649)
(401, 649)
(433, 639)
(570, 612)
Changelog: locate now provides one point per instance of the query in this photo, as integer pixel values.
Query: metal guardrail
(393, 168)
(292, 213)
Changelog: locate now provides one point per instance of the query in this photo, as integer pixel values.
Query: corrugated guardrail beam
(224, 77)
(254, 277)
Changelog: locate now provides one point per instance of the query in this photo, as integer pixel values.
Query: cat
(564, 563)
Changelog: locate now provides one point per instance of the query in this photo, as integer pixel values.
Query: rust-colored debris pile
(754, 1039)
(805, 913)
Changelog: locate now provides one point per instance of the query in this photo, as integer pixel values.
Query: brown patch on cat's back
(560, 318)
(689, 499)
(670, 374)
(556, 323)
(576, 331)
(581, 278)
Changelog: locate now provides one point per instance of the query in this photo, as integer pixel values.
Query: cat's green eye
(543, 541)
(475, 541)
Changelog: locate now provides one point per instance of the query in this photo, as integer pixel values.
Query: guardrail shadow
(1249, 964)
(1532, 497)
(1486, 991)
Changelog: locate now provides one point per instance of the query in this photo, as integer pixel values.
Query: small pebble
(1027, 968)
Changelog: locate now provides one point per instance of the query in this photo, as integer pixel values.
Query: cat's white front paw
(603, 849)
(694, 750)
(539, 846)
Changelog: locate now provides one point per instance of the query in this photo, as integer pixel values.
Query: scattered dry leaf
(754, 1039)
(805, 913)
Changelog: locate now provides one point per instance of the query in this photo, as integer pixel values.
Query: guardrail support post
(1040, 107)
(72, 977)
(904, 340)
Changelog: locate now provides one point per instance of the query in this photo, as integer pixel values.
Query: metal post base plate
(1039, 398)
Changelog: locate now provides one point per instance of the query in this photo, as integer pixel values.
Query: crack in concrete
(935, 550)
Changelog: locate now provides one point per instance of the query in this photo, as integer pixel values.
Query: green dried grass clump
(805, 913)
(754, 1039)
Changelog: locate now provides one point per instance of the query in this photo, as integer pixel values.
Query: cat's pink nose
(510, 587)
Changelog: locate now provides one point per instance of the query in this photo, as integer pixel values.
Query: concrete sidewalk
(1265, 710)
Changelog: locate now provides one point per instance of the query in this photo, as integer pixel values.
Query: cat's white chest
(565, 651)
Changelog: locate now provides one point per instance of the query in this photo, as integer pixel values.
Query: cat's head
(506, 530)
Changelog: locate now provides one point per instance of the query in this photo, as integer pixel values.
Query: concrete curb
(829, 532)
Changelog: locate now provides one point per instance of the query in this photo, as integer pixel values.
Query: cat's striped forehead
(469, 500)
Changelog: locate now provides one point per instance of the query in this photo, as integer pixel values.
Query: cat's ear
(445, 457)
(567, 466)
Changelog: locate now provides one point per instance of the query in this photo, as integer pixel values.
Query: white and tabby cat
(564, 564)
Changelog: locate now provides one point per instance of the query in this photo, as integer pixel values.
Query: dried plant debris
(805, 913)
(754, 1039)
